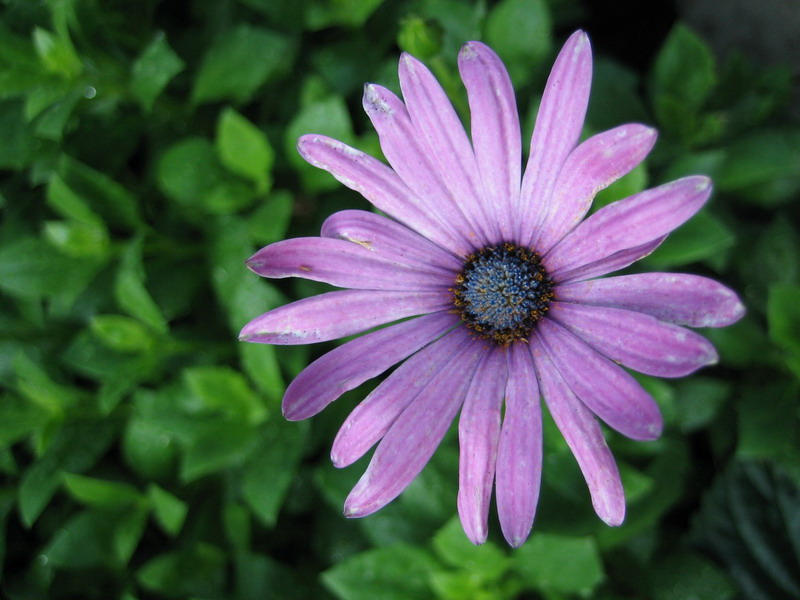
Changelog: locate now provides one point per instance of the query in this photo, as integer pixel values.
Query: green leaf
(190, 173)
(153, 70)
(56, 53)
(18, 141)
(115, 204)
(783, 316)
(31, 268)
(239, 62)
(74, 449)
(244, 149)
(269, 221)
(121, 333)
(197, 571)
(704, 237)
(486, 562)
(225, 390)
(520, 31)
(260, 363)
(168, 510)
(19, 418)
(554, 563)
(77, 239)
(615, 96)
(96, 539)
(744, 344)
(98, 493)
(326, 117)
(270, 469)
(757, 161)
(67, 203)
(51, 123)
(351, 13)
(147, 450)
(419, 37)
(188, 169)
(768, 430)
(628, 185)
(748, 523)
(218, 446)
(241, 293)
(690, 575)
(130, 292)
(697, 400)
(783, 312)
(35, 384)
(395, 573)
(236, 520)
(684, 74)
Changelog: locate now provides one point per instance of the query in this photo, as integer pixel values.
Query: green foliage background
(147, 149)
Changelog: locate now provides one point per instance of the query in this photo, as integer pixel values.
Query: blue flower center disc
(502, 292)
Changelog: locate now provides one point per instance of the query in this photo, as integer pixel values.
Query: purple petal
(338, 314)
(584, 438)
(495, 131)
(372, 418)
(592, 166)
(363, 358)
(519, 455)
(634, 221)
(605, 388)
(478, 435)
(342, 264)
(378, 184)
(404, 148)
(416, 433)
(636, 340)
(390, 239)
(443, 137)
(609, 264)
(682, 299)
(558, 127)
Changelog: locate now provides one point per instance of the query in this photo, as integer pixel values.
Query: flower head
(500, 271)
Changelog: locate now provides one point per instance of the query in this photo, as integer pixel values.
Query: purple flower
(503, 269)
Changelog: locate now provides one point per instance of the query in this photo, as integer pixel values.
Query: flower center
(502, 292)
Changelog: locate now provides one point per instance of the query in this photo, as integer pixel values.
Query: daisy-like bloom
(500, 271)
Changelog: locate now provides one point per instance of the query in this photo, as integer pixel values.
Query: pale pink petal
(592, 166)
(605, 388)
(443, 137)
(338, 314)
(519, 454)
(558, 127)
(363, 358)
(478, 435)
(390, 239)
(584, 438)
(414, 436)
(636, 340)
(631, 222)
(495, 132)
(682, 299)
(343, 264)
(378, 184)
(371, 419)
(405, 150)
(609, 264)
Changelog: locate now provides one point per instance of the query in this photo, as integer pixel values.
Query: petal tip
(469, 51)
(613, 519)
(516, 541)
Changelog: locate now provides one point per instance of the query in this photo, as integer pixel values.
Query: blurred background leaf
(148, 153)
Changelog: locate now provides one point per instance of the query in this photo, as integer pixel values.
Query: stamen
(502, 292)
